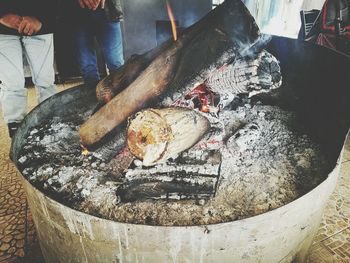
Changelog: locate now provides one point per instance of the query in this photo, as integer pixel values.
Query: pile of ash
(267, 161)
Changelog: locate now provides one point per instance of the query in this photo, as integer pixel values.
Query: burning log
(228, 27)
(155, 135)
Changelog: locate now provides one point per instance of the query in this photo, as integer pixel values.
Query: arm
(11, 21)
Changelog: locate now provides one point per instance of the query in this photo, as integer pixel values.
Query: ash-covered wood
(250, 75)
(155, 135)
(230, 26)
(189, 177)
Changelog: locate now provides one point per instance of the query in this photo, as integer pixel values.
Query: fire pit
(314, 87)
(255, 194)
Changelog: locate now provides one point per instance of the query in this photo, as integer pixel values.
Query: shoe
(13, 126)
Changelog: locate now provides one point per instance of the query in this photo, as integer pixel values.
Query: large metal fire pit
(315, 85)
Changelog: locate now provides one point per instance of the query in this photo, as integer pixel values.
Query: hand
(91, 4)
(11, 20)
(29, 26)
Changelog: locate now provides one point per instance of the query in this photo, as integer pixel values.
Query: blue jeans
(94, 24)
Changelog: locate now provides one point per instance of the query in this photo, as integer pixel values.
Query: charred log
(188, 178)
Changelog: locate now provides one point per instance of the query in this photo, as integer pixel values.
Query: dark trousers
(94, 24)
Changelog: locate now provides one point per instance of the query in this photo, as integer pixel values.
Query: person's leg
(40, 56)
(13, 95)
(110, 39)
(84, 39)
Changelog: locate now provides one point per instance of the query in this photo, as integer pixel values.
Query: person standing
(26, 29)
(100, 20)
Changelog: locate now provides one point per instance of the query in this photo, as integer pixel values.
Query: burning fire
(172, 20)
(84, 151)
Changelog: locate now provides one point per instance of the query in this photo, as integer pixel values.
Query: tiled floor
(332, 243)
(18, 242)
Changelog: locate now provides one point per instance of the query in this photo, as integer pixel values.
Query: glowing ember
(84, 150)
(202, 96)
(172, 20)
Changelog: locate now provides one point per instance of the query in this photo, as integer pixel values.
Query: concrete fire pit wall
(282, 235)
(315, 83)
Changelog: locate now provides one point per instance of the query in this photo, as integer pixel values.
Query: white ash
(23, 159)
(266, 162)
(274, 164)
(103, 198)
(53, 161)
(61, 180)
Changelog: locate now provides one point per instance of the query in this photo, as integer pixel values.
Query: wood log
(114, 83)
(148, 85)
(155, 135)
(188, 178)
(229, 26)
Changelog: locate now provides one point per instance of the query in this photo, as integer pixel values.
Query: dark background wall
(139, 26)
(139, 30)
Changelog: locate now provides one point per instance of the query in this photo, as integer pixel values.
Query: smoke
(254, 48)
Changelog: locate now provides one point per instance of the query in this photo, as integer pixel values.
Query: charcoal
(190, 177)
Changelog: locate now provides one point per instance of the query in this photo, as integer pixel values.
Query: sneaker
(13, 126)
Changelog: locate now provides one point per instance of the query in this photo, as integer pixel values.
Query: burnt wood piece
(228, 27)
(186, 179)
(115, 82)
(247, 75)
(112, 144)
(155, 135)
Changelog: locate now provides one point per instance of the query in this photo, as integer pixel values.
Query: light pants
(39, 53)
